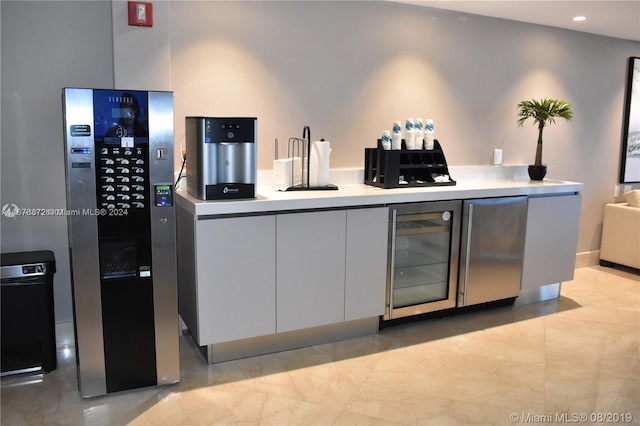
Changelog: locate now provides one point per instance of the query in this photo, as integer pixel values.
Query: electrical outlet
(620, 189)
(617, 190)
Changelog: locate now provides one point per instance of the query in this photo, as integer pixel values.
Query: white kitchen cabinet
(236, 278)
(551, 240)
(366, 262)
(310, 269)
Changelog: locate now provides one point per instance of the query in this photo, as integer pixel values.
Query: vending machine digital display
(119, 172)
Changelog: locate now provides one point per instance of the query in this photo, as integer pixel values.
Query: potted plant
(543, 112)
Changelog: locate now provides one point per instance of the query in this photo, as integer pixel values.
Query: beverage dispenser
(122, 233)
(221, 157)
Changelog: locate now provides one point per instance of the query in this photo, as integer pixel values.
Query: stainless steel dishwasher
(492, 249)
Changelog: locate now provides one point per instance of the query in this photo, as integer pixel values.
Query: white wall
(347, 69)
(149, 46)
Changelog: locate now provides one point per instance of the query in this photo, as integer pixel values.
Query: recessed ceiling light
(579, 18)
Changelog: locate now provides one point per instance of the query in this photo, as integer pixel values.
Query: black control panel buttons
(122, 175)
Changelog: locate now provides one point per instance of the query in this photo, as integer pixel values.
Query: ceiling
(620, 19)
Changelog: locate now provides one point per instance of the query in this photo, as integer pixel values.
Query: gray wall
(45, 46)
(347, 69)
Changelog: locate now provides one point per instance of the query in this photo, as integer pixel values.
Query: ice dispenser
(221, 157)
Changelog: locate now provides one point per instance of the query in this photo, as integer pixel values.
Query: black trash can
(28, 318)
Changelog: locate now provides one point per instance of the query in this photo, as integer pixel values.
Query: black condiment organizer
(418, 167)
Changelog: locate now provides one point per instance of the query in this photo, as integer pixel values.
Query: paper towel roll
(319, 163)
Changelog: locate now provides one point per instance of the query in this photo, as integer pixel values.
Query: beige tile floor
(531, 364)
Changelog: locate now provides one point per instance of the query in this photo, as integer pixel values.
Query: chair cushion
(633, 198)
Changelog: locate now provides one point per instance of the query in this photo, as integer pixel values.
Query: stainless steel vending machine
(122, 238)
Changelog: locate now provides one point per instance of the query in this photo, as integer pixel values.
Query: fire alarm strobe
(140, 14)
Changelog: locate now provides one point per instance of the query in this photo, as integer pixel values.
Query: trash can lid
(29, 257)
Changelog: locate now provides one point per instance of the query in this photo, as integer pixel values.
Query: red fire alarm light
(140, 14)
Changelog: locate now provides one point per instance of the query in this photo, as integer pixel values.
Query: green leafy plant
(543, 112)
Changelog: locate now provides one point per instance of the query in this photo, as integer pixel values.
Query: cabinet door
(551, 241)
(236, 278)
(310, 269)
(367, 235)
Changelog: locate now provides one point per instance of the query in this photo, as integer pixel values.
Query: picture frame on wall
(630, 159)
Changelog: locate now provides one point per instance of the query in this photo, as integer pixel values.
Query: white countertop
(472, 182)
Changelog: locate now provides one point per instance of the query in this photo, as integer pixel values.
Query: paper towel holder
(301, 147)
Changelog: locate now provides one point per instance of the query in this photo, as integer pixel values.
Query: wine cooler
(423, 258)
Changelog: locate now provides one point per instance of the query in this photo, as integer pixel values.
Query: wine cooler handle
(467, 254)
(392, 264)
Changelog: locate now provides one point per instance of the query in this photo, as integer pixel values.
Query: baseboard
(65, 338)
(278, 342)
(587, 259)
(540, 294)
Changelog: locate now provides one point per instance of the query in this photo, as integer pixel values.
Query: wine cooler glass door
(423, 269)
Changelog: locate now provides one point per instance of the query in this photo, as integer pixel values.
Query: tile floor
(544, 363)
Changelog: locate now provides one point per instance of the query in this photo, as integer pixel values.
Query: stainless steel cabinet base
(289, 340)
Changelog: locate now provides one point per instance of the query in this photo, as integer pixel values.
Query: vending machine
(122, 238)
